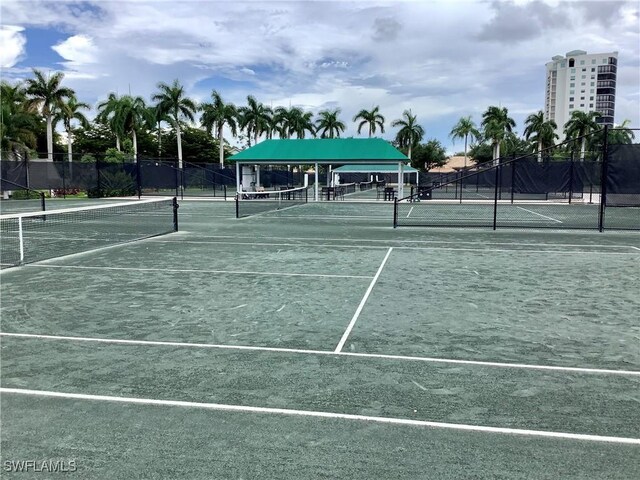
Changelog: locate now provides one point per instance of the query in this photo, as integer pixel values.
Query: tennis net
(31, 237)
(253, 203)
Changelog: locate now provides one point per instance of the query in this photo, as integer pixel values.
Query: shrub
(116, 184)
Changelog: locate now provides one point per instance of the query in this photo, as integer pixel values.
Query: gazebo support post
(257, 177)
(400, 180)
(238, 181)
(316, 183)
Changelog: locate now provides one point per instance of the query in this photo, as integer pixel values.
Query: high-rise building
(581, 81)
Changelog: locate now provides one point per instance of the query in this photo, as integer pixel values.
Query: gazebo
(321, 151)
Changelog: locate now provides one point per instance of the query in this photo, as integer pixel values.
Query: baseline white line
(323, 352)
(331, 415)
(194, 270)
(539, 214)
(362, 302)
(410, 210)
(324, 245)
(462, 242)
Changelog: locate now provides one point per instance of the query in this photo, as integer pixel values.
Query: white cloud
(420, 55)
(77, 50)
(13, 43)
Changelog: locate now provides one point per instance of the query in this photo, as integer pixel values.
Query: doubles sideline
(316, 414)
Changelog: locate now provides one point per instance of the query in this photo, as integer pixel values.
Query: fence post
(571, 172)
(64, 179)
(603, 179)
(395, 212)
(513, 178)
(98, 182)
(138, 179)
(495, 197)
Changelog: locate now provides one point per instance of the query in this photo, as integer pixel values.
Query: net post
(42, 202)
(603, 179)
(175, 214)
(224, 188)
(237, 205)
(495, 197)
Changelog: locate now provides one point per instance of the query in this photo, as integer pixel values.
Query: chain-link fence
(525, 192)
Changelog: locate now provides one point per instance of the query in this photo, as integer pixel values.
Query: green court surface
(319, 342)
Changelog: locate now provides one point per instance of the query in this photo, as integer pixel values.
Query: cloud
(13, 43)
(77, 50)
(386, 29)
(351, 54)
(516, 23)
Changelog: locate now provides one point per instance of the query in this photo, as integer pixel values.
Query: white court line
(323, 352)
(194, 270)
(362, 302)
(462, 242)
(539, 214)
(324, 245)
(316, 414)
(410, 210)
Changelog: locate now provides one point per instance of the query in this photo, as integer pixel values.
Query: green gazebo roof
(321, 150)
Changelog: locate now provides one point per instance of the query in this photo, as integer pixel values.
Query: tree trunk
(465, 151)
(49, 138)
(159, 141)
(369, 130)
(69, 146)
(221, 145)
(409, 152)
(583, 145)
(134, 137)
(540, 151)
(117, 142)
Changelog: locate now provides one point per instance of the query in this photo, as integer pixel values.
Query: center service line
(362, 302)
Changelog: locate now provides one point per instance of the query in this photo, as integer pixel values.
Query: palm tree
(621, 134)
(410, 133)
(538, 130)
(215, 116)
(46, 94)
(255, 118)
(17, 123)
(373, 118)
(465, 128)
(580, 124)
(496, 123)
(68, 111)
(132, 115)
(107, 115)
(329, 123)
(171, 100)
(293, 121)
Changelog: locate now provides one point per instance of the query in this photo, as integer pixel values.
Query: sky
(441, 59)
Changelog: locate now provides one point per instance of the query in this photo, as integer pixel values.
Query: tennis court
(319, 342)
